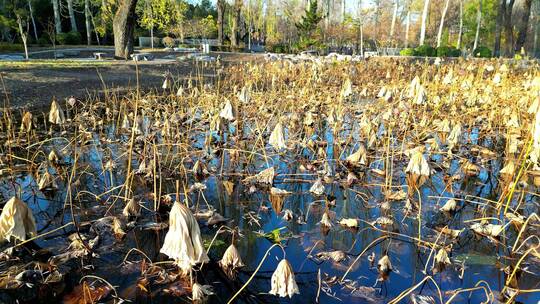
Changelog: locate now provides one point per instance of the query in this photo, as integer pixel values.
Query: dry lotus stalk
(183, 241)
(231, 258)
(277, 139)
(56, 115)
(283, 282)
(16, 221)
(132, 208)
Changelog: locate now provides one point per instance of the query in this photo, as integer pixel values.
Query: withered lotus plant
(183, 241)
(277, 139)
(16, 221)
(231, 259)
(26, 123)
(56, 115)
(417, 170)
(283, 282)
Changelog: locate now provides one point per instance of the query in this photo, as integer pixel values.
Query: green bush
(426, 51)
(43, 40)
(278, 48)
(168, 42)
(448, 51)
(71, 38)
(407, 52)
(482, 52)
(11, 47)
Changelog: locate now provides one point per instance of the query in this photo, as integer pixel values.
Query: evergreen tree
(308, 25)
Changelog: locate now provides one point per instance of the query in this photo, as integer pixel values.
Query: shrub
(168, 42)
(448, 51)
(407, 52)
(278, 48)
(482, 52)
(425, 50)
(70, 38)
(10, 47)
(43, 40)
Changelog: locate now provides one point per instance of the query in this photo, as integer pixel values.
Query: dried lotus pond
(335, 182)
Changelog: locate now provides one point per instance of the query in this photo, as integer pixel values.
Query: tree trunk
(72, 16)
(524, 26)
(460, 34)
(508, 29)
(235, 35)
(57, 22)
(123, 27)
(441, 24)
(394, 16)
(424, 22)
(31, 10)
(407, 23)
(536, 25)
(220, 24)
(377, 16)
(343, 7)
(501, 11)
(87, 22)
(478, 24)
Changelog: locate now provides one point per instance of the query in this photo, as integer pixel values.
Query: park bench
(142, 56)
(98, 56)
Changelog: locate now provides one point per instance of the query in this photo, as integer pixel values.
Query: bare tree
(424, 22)
(57, 22)
(407, 23)
(31, 11)
(460, 34)
(509, 28)
(71, 13)
(524, 25)
(50, 30)
(87, 22)
(22, 18)
(236, 19)
(220, 24)
(394, 17)
(441, 24)
(501, 11)
(478, 24)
